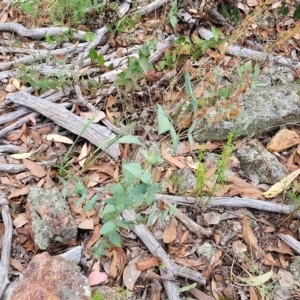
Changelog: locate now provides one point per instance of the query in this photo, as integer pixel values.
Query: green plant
(135, 189)
(173, 13)
(177, 183)
(76, 11)
(65, 36)
(96, 296)
(222, 163)
(138, 67)
(29, 76)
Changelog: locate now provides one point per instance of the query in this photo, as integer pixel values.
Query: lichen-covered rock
(52, 278)
(255, 159)
(262, 109)
(49, 218)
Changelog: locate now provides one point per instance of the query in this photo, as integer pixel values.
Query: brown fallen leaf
(284, 139)
(119, 261)
(34, 168)
(95, 237)
(170, 233)
(148, 263)
(19, 192)
(16, 264)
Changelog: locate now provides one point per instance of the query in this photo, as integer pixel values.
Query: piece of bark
(9, 149)
(96, 134)
(290, 241)
(156, 249)
(171, 286)
(248, 53)
(6, 245)
(73, 255)
(38, 33)
(12, 168)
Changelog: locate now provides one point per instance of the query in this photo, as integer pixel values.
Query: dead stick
(6, 246)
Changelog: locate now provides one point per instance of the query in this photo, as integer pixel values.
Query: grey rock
(255, 159)
(186, 179)
(49, 218)
(262, 110)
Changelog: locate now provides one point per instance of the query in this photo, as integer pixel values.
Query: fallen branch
(290, 241)
(198, 230)
(156, 249)
(96, 134)
(6, 244)
(12, 168)
(232, 202)
(248, 53)
(38, 33)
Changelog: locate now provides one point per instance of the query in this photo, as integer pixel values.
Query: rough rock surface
(49, 218)
(255, 159)
(262, 110)
(52, 278)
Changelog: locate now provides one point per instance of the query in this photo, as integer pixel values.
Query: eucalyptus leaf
(129, 139)
(163, 122)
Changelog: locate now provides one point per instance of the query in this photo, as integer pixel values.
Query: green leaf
(93, 55)
(119, 191)
(129, 139)
(101, 60)
(108, 227)
(114, 238)
(163, 122)
(175, 139)
(144, 64)
(187, 288)
(120, 206)
(146, 177)
(112, 201)
(151, 215)
(189, 134)
(151, 193)
(216, 33)
(109, 208)
(137, 192)
(133, 168)
(173, 21)
(258, 280)
(173, 210)
(152, 158)
(296, 14)
(284, 10)
(100, 250)
(194, 104)
(187, 83)
(91, 203)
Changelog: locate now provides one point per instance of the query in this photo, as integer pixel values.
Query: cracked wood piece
(170, 286)
(96, 134)
(198, 230)
(207, 202)
(290, 241)
(12, 168)
(8, 117)
(156, 249)
(42, 54)
(248, 53)
(38, 33)
(20, 122)
(6, 245)
(151, 7)
(9, 149)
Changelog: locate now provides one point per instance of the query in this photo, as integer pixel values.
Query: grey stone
(256, 159)
(49, 218)
(262, 109)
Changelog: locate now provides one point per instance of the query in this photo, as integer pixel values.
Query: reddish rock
(52, 278)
